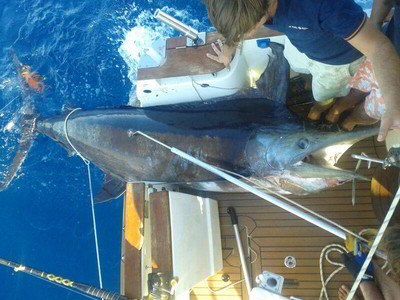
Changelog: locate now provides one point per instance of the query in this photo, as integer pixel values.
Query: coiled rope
(374, 247)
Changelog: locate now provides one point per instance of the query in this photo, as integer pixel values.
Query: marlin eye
(303, 143)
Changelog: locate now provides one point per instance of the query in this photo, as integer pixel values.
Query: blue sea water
(88, 52)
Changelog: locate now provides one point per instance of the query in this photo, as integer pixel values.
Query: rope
(95, 228)
(325, 253)
(87, 163)
(9, 103)
(224, 288)
(371, 253)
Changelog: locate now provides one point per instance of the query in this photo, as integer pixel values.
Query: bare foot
(319, 108)
(348, 124)
(333, 114)
(345, 103)
(358, 117)
(344, 292)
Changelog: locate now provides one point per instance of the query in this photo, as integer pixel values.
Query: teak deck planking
(189, 61)
(277, 234)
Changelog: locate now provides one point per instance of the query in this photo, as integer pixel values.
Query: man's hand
(392, 158)
(223, 53)
(390, 120)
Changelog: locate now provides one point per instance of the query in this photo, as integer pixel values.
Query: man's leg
(369, 290)
(346, 103)
(358, 117)
(329, 82)
(389, 288)
(318, 108)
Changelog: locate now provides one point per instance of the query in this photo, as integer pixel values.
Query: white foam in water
(147, 29)
(9, 126)
(142, 36)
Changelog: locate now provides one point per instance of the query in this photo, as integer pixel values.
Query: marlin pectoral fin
(112, 189)
(274, 82)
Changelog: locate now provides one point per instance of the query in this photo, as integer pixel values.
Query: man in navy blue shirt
(326, 38)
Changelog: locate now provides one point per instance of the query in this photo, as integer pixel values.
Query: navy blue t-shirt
(320, 28)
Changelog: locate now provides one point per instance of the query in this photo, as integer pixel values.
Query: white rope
(87, 162)
(224, 288)
(375, 245)
(67, 137)
(325, 253)
(95, 228)
(9, 103)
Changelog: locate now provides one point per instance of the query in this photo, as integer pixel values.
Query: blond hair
(234, 18)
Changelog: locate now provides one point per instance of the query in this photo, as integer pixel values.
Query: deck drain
(225, 277)
(290, 262)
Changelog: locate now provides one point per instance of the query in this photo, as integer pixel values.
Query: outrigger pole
(86, 289)
(321, 224)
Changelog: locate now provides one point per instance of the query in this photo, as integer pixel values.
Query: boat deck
(276, 234)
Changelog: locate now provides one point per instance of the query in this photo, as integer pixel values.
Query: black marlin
(255, 138)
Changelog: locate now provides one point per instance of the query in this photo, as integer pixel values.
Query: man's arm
(380, 11)
(389, 289)
(370, 291)
(386, 63)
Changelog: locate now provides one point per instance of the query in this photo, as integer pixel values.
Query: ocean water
(88, 53)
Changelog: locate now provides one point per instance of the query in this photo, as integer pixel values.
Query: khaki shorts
(328, 81)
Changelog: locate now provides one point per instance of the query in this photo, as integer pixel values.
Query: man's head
(235, 18)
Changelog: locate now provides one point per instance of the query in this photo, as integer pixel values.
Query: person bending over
(376, 285)
(366, 97)
(325, 38)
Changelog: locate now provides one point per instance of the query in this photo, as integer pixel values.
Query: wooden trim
(131, 283)
(276, 234)
(161, 243)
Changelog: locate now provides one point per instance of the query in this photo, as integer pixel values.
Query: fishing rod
(86, 289)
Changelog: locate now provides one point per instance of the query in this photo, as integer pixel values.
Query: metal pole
(86, 289)
(174, 23)
(283, 205)
(375, 245)
(369, 159)
(234, 218)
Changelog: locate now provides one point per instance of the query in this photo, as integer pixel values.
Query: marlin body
(255, 138)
